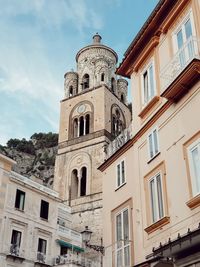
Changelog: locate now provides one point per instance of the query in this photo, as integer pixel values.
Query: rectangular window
(16, 238)
(156, 197)
(153, 143)
(148, 84)
(20, 199)
(185, 41)
(44, 209)
(120, 173)
(42, 245)
(194, 165)
(122, 239)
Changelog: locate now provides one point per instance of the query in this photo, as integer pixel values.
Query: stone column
(78, 130)
(84, 125)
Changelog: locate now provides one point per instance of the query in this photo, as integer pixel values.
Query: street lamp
(86, 236)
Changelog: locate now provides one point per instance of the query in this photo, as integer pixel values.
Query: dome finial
(97, 38)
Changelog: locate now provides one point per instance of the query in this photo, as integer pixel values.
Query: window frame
(20, 242)
(154, 178)
(151, 133)
(40, 238)
(192, 146)
(121, 181)
(23, 204)
(43, 218)
(179, 27)
(122, 248)
(150, 225)
(146, 69)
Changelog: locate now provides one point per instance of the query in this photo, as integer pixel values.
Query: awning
(185, 244)
(69, 245)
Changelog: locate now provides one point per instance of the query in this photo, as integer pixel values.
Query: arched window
(113, 124)
(83, 181)
(81, 126)
(122, 98)
(118, 122)
(87, 124)
(75, 128)
(71, 91)
(113, 85)
(86, 81)
(102, 77)
(74, 184)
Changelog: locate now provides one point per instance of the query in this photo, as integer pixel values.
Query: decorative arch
(81, 120)
(118, 122)
(80, 175)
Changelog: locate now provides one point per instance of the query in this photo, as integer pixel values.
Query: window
(44, 210)
(156, 197)
(81, 126)
(185, 43)
(42, 245)
(118, 122)
(194, 165)
(83, 181)
(120, 173)
(153, 143)
(15, 242)
(102, 77)
(71, 91)
(113, 85)
(148, 84)
(16, 238)
(86, 81)
(122, 257)
(20, 199)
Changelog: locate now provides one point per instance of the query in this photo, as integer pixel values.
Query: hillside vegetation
(35, 157)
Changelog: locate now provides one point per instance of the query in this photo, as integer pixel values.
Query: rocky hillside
(35, 157)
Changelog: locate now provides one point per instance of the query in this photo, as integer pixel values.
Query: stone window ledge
(148, 107)
(157, 225)
(194, 202)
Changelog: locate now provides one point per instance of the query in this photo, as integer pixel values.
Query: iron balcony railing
(179, 62)
(41, 257)
(76, 259)
(14, 250)
(119, 141)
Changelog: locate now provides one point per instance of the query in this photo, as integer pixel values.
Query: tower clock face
(81, 108)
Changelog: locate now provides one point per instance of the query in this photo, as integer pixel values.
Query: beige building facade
(153, 218)
(93, 112)
(35, 226)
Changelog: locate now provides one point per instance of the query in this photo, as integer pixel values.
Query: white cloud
(28, 70)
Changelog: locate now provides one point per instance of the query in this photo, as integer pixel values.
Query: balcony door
(185, 42)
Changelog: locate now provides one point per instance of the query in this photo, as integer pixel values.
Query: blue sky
(38, 43)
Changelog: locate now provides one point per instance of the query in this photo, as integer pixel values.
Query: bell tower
(93, 112)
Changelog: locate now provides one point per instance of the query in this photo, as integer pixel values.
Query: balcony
(68, 233)
(41, 260)
(119, 141)
(74, 259)
(182, 72)
(15, 253)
